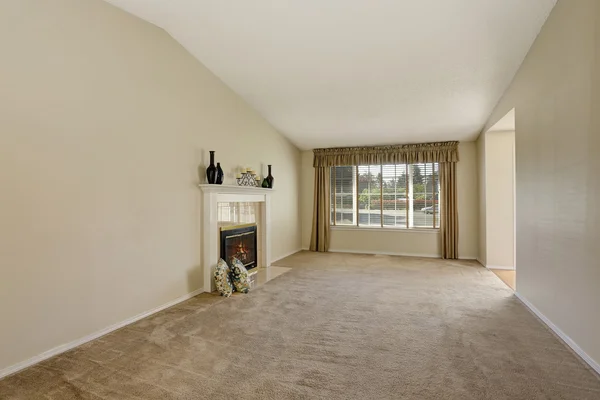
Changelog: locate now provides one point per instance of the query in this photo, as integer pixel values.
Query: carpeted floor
(334, 327)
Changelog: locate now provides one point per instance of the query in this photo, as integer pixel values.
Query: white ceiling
(358, 72)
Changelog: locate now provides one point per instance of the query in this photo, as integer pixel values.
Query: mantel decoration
(214, 175)
(211, 171)
(268, 181)
(248, 178)
(220, 174)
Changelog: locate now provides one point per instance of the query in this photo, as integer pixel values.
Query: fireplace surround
(212, 195)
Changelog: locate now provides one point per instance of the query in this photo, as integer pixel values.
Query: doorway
(497, 167)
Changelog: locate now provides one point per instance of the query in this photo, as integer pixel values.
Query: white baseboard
(71, 345)
(389, 253)
(286, 255)
(498, 267)
(568, 341)
(384, 253)
(506, 268)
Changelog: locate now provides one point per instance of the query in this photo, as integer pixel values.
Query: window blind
(404, 196)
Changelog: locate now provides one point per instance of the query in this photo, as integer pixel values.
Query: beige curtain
(440, 152)
(319, 240)
(448, 210)
(444, 153)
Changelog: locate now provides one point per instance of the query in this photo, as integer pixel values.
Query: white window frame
(410, 206)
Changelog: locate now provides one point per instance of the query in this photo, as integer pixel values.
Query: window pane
(423, 195)
(332, 196)
(394, 195)
(406, 196)
(343, 188)
(369, 199)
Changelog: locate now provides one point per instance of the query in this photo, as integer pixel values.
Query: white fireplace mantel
(235, 189)
(211, 196)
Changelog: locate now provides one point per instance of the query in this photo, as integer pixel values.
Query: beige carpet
(334, 327)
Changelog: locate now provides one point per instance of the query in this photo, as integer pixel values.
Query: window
(343, 195)
(386, 196)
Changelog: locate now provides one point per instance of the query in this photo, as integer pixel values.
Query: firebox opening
(240, 242)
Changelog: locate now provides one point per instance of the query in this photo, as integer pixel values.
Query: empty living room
(272, 200)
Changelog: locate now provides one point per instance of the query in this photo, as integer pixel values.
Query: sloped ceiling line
(356, 72)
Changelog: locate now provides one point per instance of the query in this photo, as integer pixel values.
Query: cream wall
(401, 242)
(481, 178)
(497, 201)
(104, 120)
(556, 95)
(468, 201)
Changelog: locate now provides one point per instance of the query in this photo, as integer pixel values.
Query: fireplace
(239, 241)
(213, 221)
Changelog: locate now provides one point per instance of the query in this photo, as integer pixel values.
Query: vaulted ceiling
(358, 72)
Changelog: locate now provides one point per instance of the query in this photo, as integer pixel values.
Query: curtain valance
(440, 152)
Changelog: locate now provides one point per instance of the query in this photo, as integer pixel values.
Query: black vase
(265, 183)
(270, 178)
(211, 171)
(219, 179)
